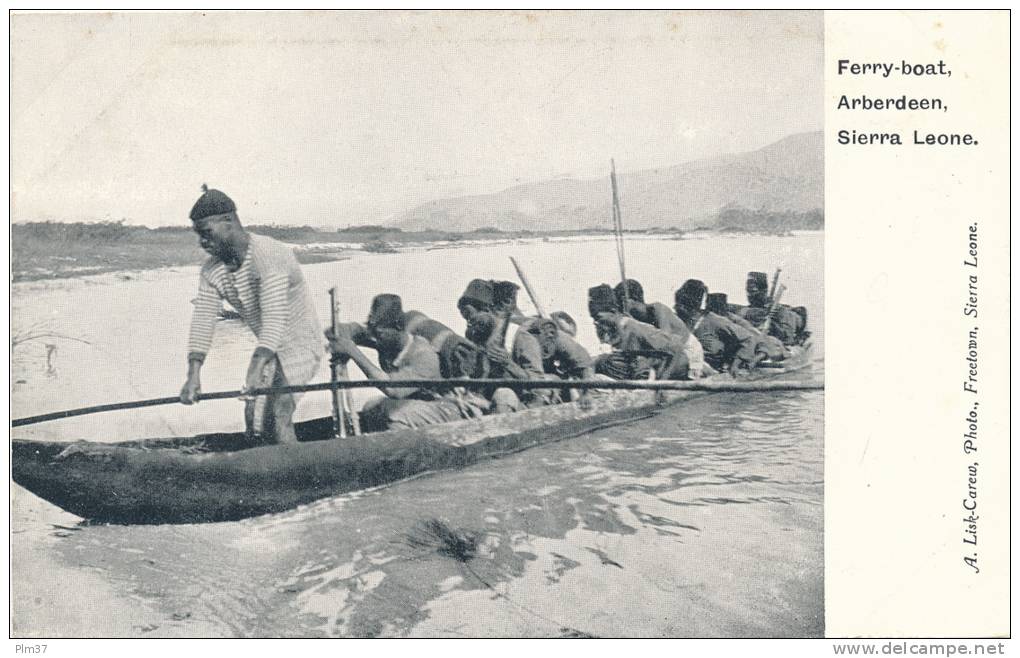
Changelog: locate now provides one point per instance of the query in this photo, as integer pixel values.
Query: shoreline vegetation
(57, 250)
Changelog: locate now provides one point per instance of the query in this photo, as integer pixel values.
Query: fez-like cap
(635, 292)
(564, 322)
(212, 202)
(387, 313)
(759, 279)
(602, 299)
(504, 292)
(479, 293)
(691, 294)
(717, 303)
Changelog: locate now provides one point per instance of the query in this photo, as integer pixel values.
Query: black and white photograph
(432, 324)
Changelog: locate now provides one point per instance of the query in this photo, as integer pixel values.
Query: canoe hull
(209, 478)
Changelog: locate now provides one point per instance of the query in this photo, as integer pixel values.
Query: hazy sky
(347, 118)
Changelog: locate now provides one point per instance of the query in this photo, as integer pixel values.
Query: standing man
(262, 280)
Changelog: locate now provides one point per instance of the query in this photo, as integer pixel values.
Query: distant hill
(782, 178)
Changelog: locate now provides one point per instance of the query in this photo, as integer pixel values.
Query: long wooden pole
(527, 286)
(775, 282)
(729, 386)
(339, 422)
(618, 227)
(773, 305)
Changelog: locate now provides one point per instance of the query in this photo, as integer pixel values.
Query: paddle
(729, 386)
(618, 230)
(773, 307)
(335, 367)
(775, 282)
(527, 286)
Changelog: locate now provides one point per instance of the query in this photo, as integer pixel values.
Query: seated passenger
(727, 346)
(562, 356)
(631, 297)
(458, 357)
(401, 356)
(639, 348)
(785, 324)
(488, 330)
(757, 299)
(802, 333)
(522, 345)
(717, 303)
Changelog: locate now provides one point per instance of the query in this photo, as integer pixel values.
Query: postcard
(511, 324)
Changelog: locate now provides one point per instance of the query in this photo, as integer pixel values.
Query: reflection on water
(705, 520)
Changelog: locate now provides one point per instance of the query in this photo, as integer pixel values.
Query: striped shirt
(269, 292)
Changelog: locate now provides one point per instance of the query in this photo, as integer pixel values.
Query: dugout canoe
(215, 477)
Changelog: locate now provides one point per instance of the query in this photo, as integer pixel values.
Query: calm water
(704, 520)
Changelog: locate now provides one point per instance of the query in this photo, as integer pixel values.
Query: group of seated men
(688, 341)
(702, 333)
(499, 343)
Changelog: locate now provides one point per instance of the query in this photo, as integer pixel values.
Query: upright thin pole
(775, 282)
(339, 423)
(618, 228)
(773, 307)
